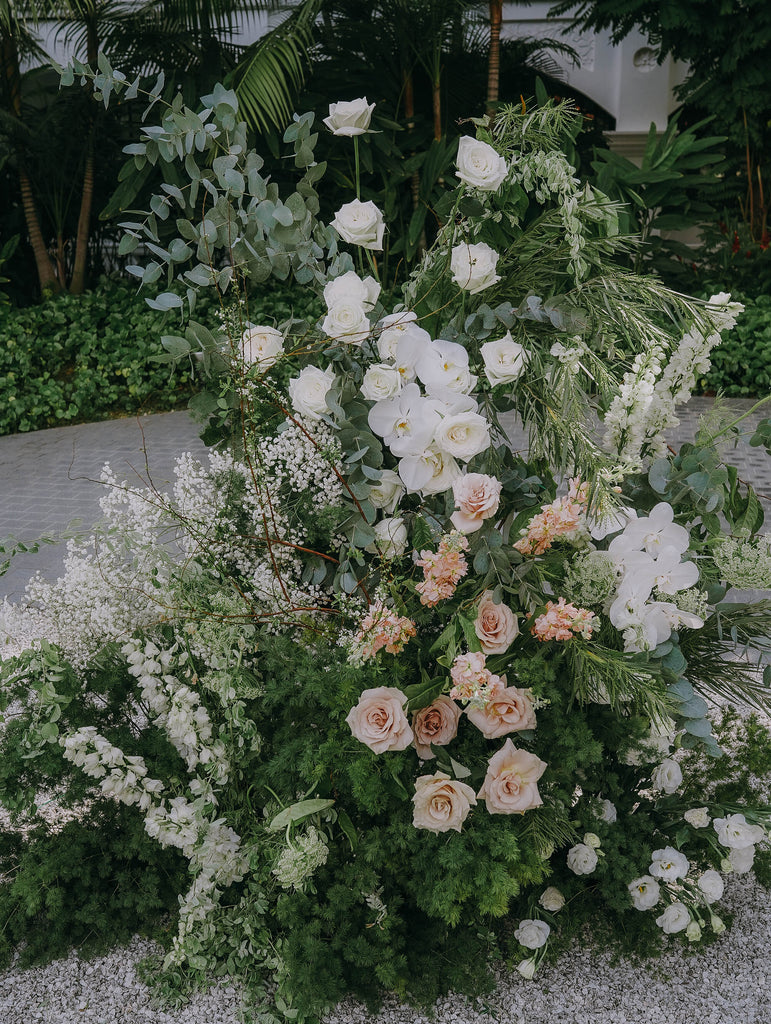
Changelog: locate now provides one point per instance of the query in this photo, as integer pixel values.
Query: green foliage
(741, 365)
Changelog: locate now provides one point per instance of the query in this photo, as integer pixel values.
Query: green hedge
(741, 365)
(85, 358)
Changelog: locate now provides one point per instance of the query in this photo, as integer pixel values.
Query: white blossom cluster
(297, 861)
(590, 578)
(300, 460)
(124, 777)
(176, 708)
(744, 563)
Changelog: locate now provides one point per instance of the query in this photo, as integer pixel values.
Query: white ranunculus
(698, 817)
(390, 538)
(261, 346)
(349, 117)
(608, 811)
(308, 392)
(645, 892)
(346, 321)
(711, 885)
(349, 287)
(674, 919)
(582, 859)
(504, 360)
(532, 934)
(430, 472)
(741, 860)
(406, 422)
(360, 224)
(480, 165)
(668, 776)
(668, 864)
(473, 266)
(551, 899)
(381, 382)
(736, 833)
(463, 435)
(386, 492)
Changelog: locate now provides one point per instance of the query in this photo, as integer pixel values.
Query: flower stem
(356, 160)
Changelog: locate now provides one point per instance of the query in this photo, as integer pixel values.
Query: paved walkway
(51, 477)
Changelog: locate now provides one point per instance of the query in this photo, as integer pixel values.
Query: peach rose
(510, 786)
(378, 720)
(477, 498)
(507, 710)
(441, 803)
(496, 625)
(437, 724)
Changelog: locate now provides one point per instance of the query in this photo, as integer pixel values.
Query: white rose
(697, 817)
(668, 864)
(504, 360)
(711, 885)
(593, 840)
(473, 266)
(532, 934)
(308, 391)
(735, 833)
(380, 382)
(350, 287)
(463, 435)
(261, 346)
(360, 224)
(608, 811)
(480, 165)
(347, 322)
(387, 491)
(552, 900)
(645, 892)
(527, 968)
(741, 860)
(349, 117)
(674, 919)
(667, 776)
(582, 859)
(390, 538)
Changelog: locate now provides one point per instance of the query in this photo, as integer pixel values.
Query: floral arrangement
(416, 690)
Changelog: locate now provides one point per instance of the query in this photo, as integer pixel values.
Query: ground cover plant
(403, 698)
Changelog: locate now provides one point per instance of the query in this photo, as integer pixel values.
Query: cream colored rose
(473, 266)
(511, 783)
(441, 803)
(390, 538)
(507, 710)
(480, 165)
(551, 899)
(386, 492)
(346, 321)
(360, 224)
(463, 435)
(477, 497)
(496, 625)
(308, 391)
(504, 360)
(437, 724)
(349, 117)
(379, 721)
(261, 346)
(381, 381)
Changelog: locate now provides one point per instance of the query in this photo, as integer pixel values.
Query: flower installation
(398, 695)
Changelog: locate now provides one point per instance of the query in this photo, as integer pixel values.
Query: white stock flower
(381, 382)
(532, 934)
(582, 859)
(308, 391)
(668, 776)
(349, 287)
(674, 919)
(697, 817)
(551, 899)
(431, 472)
(349, 117)
(473, 266)
(387, 491)
(711, 885)
(463, 435)
(261, 346)
(346, 321)
(406, 422)
(504, 360)
(360, 223)
(668, 864)
(724, 313)
(736, 833)
(480, 165)
(390, 538)
(645, 892)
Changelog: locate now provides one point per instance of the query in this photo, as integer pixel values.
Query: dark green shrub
(741, 365)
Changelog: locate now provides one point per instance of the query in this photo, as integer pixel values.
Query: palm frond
(272, 71)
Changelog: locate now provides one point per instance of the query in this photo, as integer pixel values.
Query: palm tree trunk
(80, 265)
(494, 58)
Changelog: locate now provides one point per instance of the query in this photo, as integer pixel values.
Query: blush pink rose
(378, 720)
(507, 710)
(437, 724)
(510, 786)
(496, 625)
(441, 803)
(477, 498)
